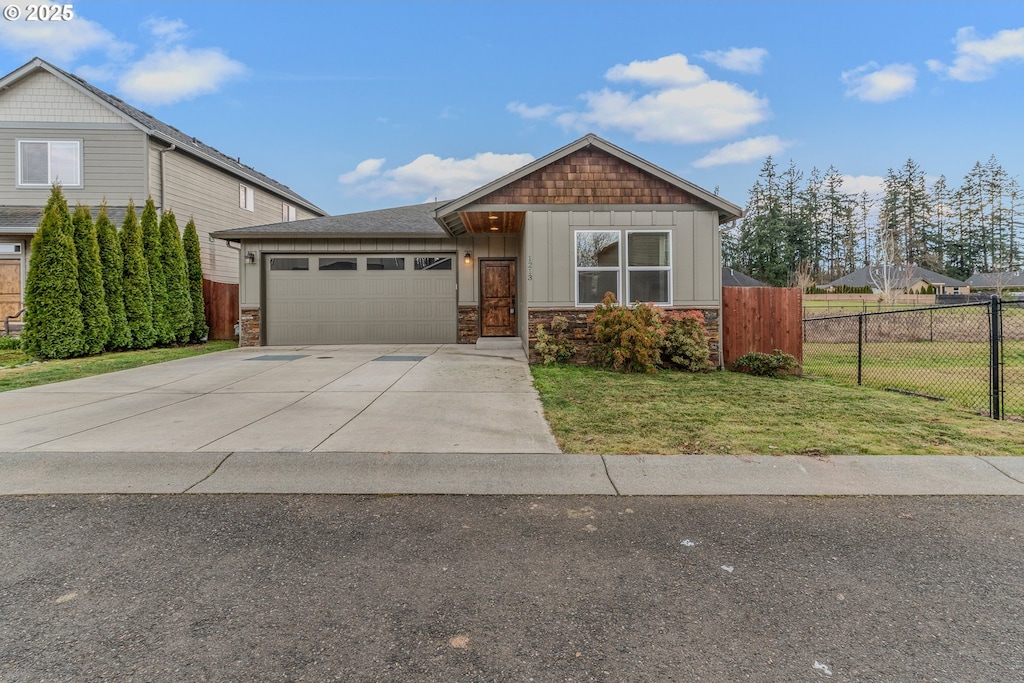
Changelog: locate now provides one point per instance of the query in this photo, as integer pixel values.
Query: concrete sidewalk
(30, 473)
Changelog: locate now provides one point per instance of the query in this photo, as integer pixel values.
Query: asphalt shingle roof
(414, 219)
(996, 280)
(30, 216)
(734, 278)
(863, 276)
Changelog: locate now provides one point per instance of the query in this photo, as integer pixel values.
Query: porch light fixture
(250, 257)
(468, 259)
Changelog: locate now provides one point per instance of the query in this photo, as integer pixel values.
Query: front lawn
(596, 411)
(18, 371)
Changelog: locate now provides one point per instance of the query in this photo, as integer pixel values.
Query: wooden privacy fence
(761, 319)
(221, 301)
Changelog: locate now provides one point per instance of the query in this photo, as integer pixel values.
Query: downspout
(163, 178)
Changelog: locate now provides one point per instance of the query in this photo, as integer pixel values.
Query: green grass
(595, 411)
(15, 375)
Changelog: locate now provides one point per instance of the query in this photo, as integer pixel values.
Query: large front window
(42, 163)
(645, 272)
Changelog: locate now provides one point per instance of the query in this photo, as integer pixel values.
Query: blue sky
(359, 106)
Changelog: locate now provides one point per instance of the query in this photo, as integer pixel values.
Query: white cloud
(429, 176)
(751, 149)
(671, 71)
(748, 60)
(541, 111)
(682, 105)
(855, 184)
(976, 58)
(872, 83)
(169, 76)
(363, 170)
(167, 30)
(57, 41)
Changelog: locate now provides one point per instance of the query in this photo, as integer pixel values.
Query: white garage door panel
(359, 306)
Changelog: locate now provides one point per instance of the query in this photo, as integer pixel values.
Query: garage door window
(337, 264)
(279, 263)
(385, 263)
(432, 263)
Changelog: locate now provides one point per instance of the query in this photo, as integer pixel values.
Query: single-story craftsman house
(910, 279)
(548, 239)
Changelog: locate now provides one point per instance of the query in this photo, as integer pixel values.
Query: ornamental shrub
(95, 315)
(53, 302)
(628, 339)
(686, 341)
(194, 268)
(555, 346)
(112, 265)
(153, 248)
(765, 364)
(138, 297)
(10, 343)
(179, 301)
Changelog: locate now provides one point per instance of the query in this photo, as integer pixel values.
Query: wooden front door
(10, 287)
(497, 297)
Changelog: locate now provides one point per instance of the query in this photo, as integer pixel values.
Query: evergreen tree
(138, 296)
(153, 246)
(53, 302)
(95, 315)
(194, 266)
(763, 230)
(179, 300)
(113, 273)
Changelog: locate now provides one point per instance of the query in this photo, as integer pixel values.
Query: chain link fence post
(995, 337)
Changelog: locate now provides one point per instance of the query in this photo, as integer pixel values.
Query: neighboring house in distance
(57, 128)
(1012, 283)
(548, 239)
(904, 278)
(734, 278)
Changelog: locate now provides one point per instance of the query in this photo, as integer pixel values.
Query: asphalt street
(527, 588)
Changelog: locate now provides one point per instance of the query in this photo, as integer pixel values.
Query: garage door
(360, 299)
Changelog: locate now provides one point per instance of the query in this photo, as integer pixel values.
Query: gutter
(163, 178)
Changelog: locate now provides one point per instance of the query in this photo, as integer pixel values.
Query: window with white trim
(597, 265)
(645, 273)
(42, 163)
(287, 212)
(246, 198)
(649, 266)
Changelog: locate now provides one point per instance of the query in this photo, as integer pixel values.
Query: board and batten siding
(194, 189)
(114, 165)
(549, 252)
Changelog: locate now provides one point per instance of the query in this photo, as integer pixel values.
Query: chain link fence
(971, 354)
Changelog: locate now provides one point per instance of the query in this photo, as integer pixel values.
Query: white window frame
(51, 180)
(246, 197)
(668, 269)
(287, 212)
(577, 268)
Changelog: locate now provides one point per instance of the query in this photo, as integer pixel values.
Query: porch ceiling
(493, 222)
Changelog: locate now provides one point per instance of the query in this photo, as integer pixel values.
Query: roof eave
(237, 234)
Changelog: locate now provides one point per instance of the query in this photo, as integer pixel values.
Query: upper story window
(42, 163)
(246, 198)
(287, 212)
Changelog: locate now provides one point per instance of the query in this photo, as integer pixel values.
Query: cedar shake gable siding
(589, 176)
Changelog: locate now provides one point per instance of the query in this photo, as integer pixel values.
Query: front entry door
(10, 287)
(497, 297)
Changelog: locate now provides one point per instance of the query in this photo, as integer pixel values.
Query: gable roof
(996, 280)
(415, 220)
(448, 214)
(156, 128)
(734, 278)
(863, 277)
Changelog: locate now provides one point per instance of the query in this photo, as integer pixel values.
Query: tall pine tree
(179, 299)
(138, 297)
(113, 273)
(95, 315)
(194, 266)
(53, 302)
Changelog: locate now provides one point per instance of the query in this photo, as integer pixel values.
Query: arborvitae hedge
(194, 266)
(179, 299)
(95, 316)
(113, 272)
(153, 248)
(53, 303)
(138, 297)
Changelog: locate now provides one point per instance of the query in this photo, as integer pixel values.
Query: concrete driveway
(350, 399)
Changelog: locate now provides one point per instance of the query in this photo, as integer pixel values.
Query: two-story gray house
(57, 128)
